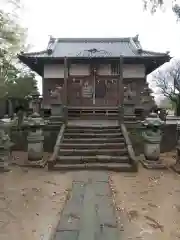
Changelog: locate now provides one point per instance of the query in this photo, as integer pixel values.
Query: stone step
(117, 167)
(90, 115)
(90, 112)
(92, 145)
(93, 135)
(93, 152)
(93, 140)
(93, 117)
(92, 159)
(93, 127)
(92, 130)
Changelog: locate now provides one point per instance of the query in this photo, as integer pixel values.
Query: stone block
(66, 235)
(105, 211)
(102, 189)
(57, 109)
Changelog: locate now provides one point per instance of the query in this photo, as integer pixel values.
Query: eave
(37, 63)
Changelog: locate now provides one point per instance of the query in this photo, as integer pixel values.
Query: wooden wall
(57, 70)
(80, 74)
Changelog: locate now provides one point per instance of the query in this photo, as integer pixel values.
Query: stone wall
(19, 138)
(169, 139)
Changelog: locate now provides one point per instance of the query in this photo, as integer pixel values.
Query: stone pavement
(89, 214)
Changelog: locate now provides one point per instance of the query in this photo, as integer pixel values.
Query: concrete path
(89, 213)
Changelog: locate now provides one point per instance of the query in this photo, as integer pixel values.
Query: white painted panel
(104, 69)
(79, 69)
(54, 71)
(133, 71)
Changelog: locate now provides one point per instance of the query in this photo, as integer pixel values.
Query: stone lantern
(35, 139)
(152, 135)
(34, 124)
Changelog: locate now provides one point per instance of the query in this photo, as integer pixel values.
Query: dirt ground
(148, 203)
(30, 202)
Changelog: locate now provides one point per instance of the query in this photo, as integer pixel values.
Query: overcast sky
(100, 18)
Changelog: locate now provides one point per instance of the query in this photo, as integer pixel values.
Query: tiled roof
(94, 47)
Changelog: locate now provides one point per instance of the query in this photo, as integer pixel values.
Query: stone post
(5, 145)
(152, 135)
(10, 108)
(35, 140)
(35, 102)
(129, 108)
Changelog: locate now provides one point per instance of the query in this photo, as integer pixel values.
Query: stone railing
(52, 160)
(133, 159)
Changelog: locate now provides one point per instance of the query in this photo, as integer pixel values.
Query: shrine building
(95, 73)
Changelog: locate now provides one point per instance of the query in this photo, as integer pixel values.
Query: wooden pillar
(65, 88)
(121, 90)
(65, 81)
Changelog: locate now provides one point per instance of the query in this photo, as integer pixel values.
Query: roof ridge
(34, 53)
(91, 39)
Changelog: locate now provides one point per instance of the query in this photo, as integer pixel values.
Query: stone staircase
(92, 147)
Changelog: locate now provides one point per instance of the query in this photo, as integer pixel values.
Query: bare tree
(154, 5)
(167, 81)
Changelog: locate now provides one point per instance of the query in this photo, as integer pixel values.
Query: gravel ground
(148, 203)
(30, 202)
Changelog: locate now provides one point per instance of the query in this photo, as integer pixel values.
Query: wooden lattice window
(115, 70)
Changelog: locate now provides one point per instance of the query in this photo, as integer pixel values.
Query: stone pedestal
(129, 108)
(129, 112)
(139, 113)
(35, 145)
(57, 114)
(5, 145)
(152, 136)
(152, 150)
(57, 109)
